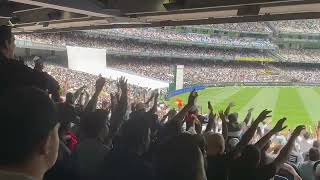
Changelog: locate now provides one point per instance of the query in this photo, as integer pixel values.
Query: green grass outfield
(301, 105)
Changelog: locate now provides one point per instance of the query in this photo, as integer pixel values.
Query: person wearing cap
(28, 134)
(51, 84)
(14, 74)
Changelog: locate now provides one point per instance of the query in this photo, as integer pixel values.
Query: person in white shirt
(306, 168)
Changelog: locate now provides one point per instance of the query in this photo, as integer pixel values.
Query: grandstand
(261, 53)
(160, 90)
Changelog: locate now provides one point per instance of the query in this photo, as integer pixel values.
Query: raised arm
(224, 125)
(178, 118)
(78, 92)
(212, 117)
(277, 128)
(247, 136)
(150, 99)
(227, 111)
(119, 110)
(87, 99)
(155, 103)
(284, 153)
(92, 105)
(247, 119)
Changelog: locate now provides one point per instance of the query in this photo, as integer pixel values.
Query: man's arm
(119, 110)
(277, 128)
(247, 136)
(92, 105)
(178, 118)
(149, 100)
(227, 111)
(285, 151)
(155, 104)
(78, 92)
(87, 99)
(247, 119)
(224, 125)
(212, 117)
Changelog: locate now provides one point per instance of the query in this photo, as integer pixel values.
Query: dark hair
(233, 117)
(67, 114)
(316, 144)
(27, 115)
(5, 35)
(93, 124)
(251, 156)
(314, 154)
(178, 158)
(306, 135)
(135, 131)
(69, 98)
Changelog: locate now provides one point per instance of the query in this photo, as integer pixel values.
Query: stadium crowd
(212, 72)
(298, 26)
(160, 34)
(81, 82)
(65, 38)
(48, 138)
(127, 46)
(260, 27)
(300, 55)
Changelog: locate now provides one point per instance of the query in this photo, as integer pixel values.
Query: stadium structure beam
(85, 22)
(45, 15)
(85, 7)
(195, 22)
(196, 4)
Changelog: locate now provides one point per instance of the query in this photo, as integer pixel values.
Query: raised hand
(222, 116)
(192, 98)
(232, 104)
(100, 83)
(156, 94)
(279, 126)
(123, 84)
(298, 130)
(263, 116)
(210, 106)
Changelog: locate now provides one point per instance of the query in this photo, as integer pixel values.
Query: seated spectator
(29, 134)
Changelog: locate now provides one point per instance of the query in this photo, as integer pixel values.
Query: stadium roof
(65, 15)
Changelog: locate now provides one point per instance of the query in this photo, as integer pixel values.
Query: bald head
(215, 144)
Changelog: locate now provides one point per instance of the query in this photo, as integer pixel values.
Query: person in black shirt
(52, 85)
(126, 160)
(217, 160)
(14, 74)
(248, 166)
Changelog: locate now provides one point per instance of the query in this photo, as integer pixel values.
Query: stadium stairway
(276, 56)
(271, 26)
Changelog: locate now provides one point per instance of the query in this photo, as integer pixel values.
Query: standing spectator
(28, 134)
(51, 84)
(306, 168)
(13, 73)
